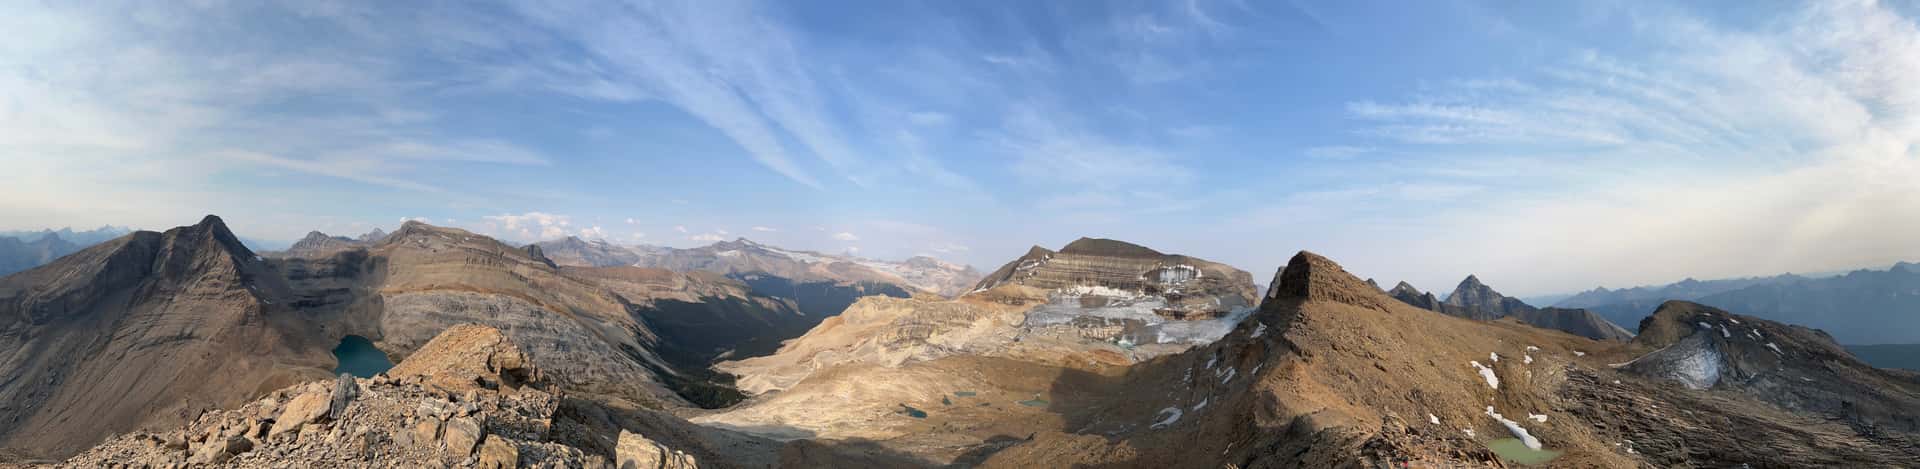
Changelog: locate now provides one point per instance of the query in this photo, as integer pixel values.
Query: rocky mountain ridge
(1327, 371)
(741, 257)
(144, 329)
(1188, 286)
(1475, 300)
(149, 329)
(317, 244)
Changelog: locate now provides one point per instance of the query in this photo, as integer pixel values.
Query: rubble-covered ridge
(402, 423)
(435, 410)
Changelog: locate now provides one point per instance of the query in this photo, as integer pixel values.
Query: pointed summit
(1311, 277)
(215, 234)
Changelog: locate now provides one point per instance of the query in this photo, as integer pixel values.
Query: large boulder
(468, 357)
(461, 435)
(637, 452)
(497, 453)
(308, 408)
(219, 450)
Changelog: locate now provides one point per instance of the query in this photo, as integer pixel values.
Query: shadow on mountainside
(594, 425)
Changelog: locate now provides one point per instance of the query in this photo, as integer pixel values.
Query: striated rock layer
(1193, 288)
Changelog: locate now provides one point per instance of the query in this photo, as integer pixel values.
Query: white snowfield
(1168, 417)
(1493, 381)
(1517, 430)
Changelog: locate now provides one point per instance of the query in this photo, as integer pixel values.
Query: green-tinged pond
(1036, 401)
(1517, 452)
(358, 357)
(909, 411)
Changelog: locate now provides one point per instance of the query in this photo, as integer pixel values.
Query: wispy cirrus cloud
(1737, 151)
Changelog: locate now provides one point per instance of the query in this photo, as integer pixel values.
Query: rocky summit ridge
(1473, 299)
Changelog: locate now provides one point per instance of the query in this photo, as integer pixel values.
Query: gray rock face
(1406, 293)
(1475, 300)
(344, 390)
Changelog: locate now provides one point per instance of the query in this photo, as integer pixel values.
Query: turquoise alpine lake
(358, 357)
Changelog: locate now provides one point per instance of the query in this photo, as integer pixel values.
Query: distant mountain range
(743, 257)
(1102, 354)
(22, 250)
(83, 238)
(1859, 307)
(317, 244)
(1474, 300)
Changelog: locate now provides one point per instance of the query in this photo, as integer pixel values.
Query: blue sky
(1547, 146)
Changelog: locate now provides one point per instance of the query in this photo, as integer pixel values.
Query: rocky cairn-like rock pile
(469, 398)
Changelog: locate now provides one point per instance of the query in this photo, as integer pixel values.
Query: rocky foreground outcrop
(469, 398)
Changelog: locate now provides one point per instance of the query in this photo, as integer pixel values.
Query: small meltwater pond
(1036, 401)
(1512, 449)
(358, 357)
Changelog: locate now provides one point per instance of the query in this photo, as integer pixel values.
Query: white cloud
(726, 65)
(530, 225)
(928, 118)
(764, 229)
(947, 248)
(1787, 147)
(593, 233)
(1437, 191)
(1196, 131)
(418, 219)
(845, 236)
(707, 237)
(680, 228)
(1046, 152)
(1338, 152)
(631, 221)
